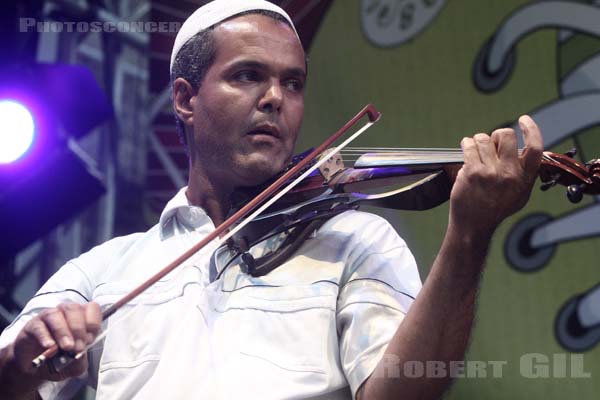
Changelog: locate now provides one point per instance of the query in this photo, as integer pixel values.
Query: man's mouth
(265, 129)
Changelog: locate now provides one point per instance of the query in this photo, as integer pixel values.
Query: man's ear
(182, 100)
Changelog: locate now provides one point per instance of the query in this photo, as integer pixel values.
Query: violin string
(403, 149)
(407, 152)
(351, 155)
(397, 149)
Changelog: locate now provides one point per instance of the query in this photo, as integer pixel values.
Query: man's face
(248, 111)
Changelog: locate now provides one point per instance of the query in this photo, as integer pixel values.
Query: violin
(401, 179)
(316, 186)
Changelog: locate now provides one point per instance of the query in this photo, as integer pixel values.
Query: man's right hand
(71, 326)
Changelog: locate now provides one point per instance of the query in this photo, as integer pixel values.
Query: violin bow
(373, 116)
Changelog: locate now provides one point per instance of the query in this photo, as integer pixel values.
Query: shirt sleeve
(380, 282)
(68, 284)
(73, 282)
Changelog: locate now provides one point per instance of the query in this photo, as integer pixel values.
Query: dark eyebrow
(261, 66)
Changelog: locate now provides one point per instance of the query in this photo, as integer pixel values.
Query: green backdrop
(425, 90)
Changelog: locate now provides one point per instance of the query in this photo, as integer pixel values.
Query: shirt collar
(180, 208)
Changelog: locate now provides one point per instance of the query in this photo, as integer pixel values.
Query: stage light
(45, 176)
(16, 130)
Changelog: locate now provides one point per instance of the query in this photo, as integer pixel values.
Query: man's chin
(261, 170)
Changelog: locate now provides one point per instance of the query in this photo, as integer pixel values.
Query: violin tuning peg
(547, 185)
(571, 153)
(550, 183)
(575, 193)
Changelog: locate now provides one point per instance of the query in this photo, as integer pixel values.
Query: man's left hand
(495, 181)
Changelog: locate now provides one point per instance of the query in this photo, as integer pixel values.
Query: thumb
(534, 146)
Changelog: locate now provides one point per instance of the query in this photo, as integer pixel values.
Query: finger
(75, 316)
(58, 327)
(534, 145)
(470, 152)
(486, 148)
(506, 143)
(36, 330)
(93, 321)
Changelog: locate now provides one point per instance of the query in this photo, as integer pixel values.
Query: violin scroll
(563, 169)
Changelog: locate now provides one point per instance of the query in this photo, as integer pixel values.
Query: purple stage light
(38, 166)
(16, 130)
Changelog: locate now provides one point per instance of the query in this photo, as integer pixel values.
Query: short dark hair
(197, 55)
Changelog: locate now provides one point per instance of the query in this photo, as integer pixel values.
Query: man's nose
(272, 97)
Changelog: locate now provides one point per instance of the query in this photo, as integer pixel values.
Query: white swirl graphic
(389, 23)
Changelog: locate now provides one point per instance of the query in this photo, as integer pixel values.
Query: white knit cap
(215, 12)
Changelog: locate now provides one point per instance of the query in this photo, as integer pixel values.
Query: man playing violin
(339, 319)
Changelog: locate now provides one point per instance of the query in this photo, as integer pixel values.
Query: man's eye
(247, 76)
(294, 85)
